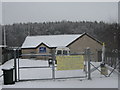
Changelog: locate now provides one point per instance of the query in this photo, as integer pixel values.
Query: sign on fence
(72, 62)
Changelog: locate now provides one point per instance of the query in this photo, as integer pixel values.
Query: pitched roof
(54, 40)
(49, 40)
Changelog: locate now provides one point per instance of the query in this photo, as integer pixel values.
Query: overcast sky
(15, 12)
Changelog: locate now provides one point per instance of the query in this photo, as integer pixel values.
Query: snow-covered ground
(98, 80)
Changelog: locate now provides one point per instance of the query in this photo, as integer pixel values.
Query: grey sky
(15, 12)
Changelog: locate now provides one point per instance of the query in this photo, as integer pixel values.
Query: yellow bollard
(104, 70)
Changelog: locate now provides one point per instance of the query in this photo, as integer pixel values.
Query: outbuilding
(76, 43)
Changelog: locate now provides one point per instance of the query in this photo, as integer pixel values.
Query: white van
(62, 51)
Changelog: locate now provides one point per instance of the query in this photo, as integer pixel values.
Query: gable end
(88, 36)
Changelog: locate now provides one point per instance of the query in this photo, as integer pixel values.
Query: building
(76, 43)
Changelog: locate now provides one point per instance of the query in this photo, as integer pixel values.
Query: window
(64, 52)
(59, 52)
(42, 50)
(32, 52)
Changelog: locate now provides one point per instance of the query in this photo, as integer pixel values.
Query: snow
(8, 65)
(98, 80)
(49, 40)
(3, 46)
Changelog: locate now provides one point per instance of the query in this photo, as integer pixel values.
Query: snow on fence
(44, 71)
(51, 69)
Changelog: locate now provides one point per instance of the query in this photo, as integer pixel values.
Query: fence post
(53, 64)
(85, 58)
(15, 66)
(89, 67)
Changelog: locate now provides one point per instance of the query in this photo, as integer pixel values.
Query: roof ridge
(53, 35)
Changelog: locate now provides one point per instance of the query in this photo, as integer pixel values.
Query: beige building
(77, 43)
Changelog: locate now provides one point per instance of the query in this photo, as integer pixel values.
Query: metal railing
(17, 67)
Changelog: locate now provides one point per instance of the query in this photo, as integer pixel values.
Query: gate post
(88, 58)
(15, 66)
(85, 58)
(53, 64)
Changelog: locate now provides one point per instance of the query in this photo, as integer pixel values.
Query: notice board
(71, 62)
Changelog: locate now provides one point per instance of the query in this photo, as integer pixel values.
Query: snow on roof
(49, 40)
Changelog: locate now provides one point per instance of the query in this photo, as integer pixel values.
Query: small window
(64, 52)
(42, 50)
(59, 52)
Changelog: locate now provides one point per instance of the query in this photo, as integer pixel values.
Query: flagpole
(4, 31)
(4, 36)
